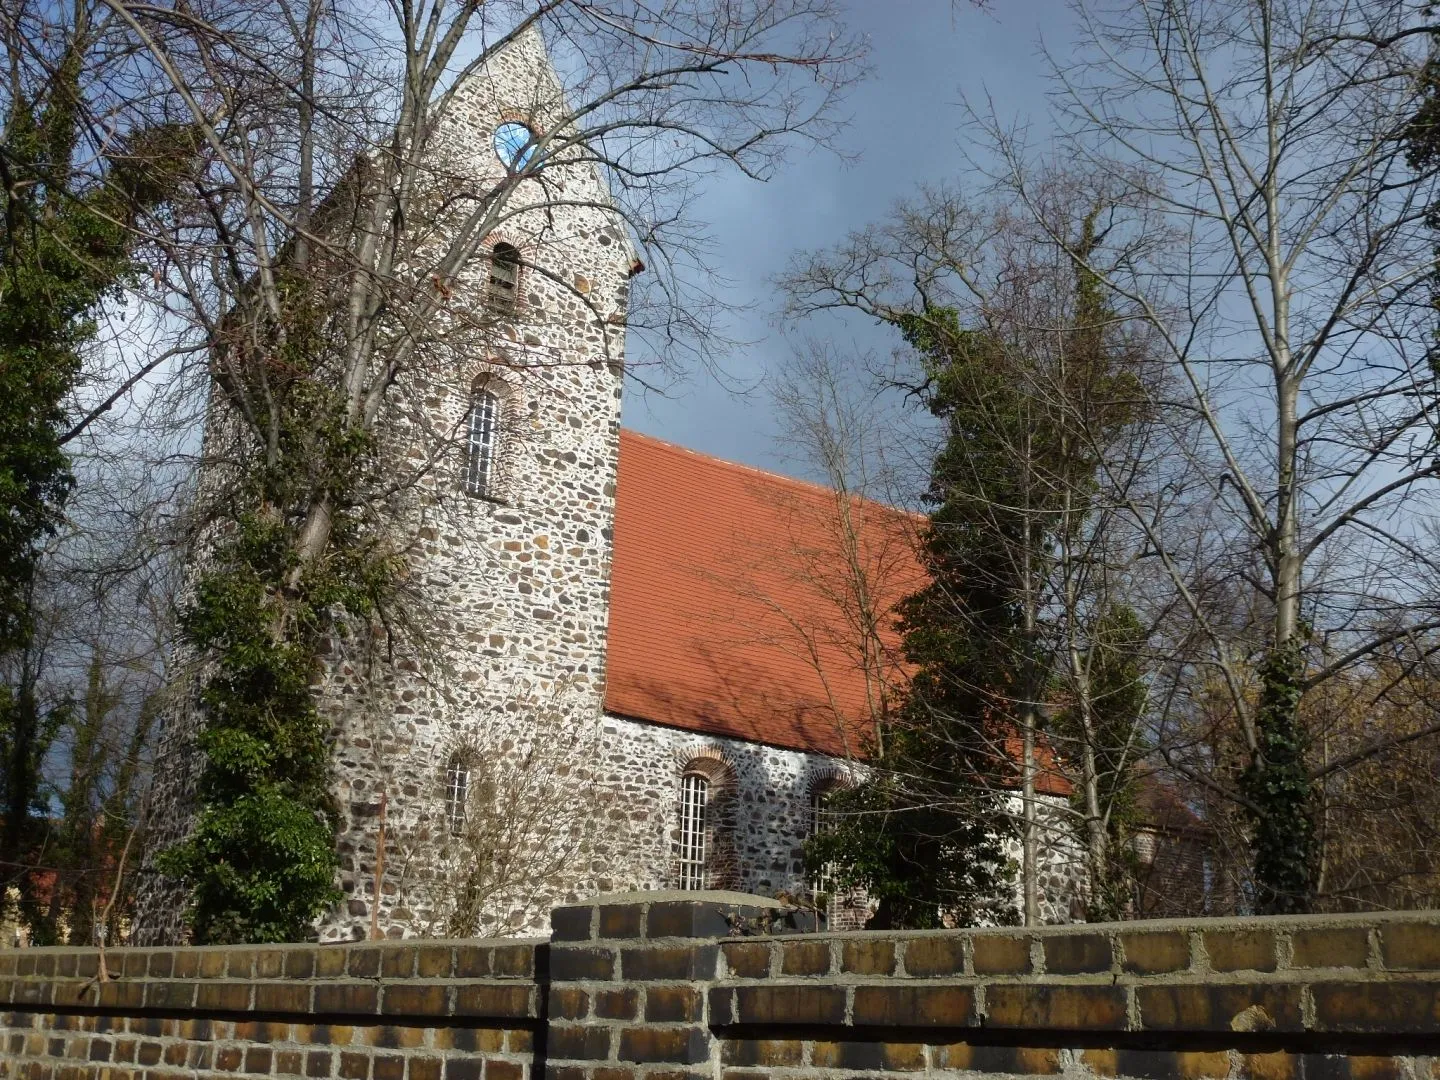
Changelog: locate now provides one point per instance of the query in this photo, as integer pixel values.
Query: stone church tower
(472, 747)
(446, 743)
(468, 747)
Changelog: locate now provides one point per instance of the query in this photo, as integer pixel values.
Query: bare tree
(1263, 138)
(489, 867)
(851, 544)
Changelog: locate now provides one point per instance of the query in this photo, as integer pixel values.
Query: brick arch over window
(824, 781)
(830, 778)
(706, 798)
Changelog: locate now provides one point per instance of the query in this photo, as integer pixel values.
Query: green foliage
(261, 860)
(926, 833)
(1422, 133)
(66, 246)
(1422, 153)
(1278, 790)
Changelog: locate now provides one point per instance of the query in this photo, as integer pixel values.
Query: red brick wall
(438, 1011)
(712, 987)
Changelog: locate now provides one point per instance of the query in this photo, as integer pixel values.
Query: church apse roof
(739, 597)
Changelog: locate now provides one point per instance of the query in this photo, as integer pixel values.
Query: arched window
(504, 276)
(457, 792)
(694, 793)
(822, 820)
(482, 437)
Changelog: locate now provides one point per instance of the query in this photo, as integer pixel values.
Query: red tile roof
(727, 609)
(730, 602)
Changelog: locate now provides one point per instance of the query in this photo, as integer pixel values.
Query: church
(640, 667)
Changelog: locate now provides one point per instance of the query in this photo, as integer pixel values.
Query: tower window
(481, 436)
(514, 145)
(694, 791)
(504, 276)
(457, 791)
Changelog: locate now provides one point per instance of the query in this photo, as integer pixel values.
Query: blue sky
(906, 129)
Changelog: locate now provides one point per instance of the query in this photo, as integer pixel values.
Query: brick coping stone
(698, 955)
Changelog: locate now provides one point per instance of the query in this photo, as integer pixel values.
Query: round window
(514, 145)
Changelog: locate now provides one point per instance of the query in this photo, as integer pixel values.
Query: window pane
(457, 790)
(480, 443)
(693, 792)
(513, 145)
(822, 820)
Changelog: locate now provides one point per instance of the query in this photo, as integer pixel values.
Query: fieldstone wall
(509, 592)
(1061, 871)
(766, 817)
(500, 661)
(761, 807)
(721, 986)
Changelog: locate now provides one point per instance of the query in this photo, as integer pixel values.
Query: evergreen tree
(926, 834)
(67, 238)
(1014, 618)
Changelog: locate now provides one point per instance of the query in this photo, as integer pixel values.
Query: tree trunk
(1278, 785)
(1030, 846)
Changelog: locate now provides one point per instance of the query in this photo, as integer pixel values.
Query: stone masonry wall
(769, 814)
(719, 986)
(511, 590)
(510, 595)
(768, 803)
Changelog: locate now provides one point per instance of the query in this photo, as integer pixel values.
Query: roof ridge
(812, 486)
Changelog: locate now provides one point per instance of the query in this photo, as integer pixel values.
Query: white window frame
(694, 799)
(822, 820)
(457, 794)
(482, 437)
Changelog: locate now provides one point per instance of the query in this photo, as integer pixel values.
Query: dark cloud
(906, 129)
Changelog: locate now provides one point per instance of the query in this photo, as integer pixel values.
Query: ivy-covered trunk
(261, 860)
(1276, 785)
(1279, 791)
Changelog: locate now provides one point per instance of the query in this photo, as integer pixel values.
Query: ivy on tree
(67, 241)
(925, 834)
(1280, 796)
(261, 860)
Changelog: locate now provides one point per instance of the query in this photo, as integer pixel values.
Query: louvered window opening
(694, 791)
(504, 276)
(457, 791)
(480, 443)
